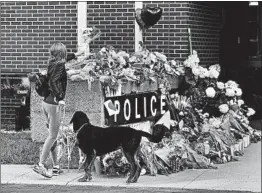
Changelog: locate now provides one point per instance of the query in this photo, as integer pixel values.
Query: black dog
(96, 141)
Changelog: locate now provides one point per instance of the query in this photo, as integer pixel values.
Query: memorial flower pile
(213, 119)
(209, 118)
(119, 66)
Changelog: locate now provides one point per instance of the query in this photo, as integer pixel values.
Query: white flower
(204, 73)
(113, 54)
(192, 60)
(223, 108)
(43, 72)
(123, 54)
(215, 122)
(206, 114)
(195, 71)
(152, 57)
(230, 92)
(238, 91)
(161, 56)
(186, 63)
(196, 59)
(173, 123)
(181, 113)
(132, 59)
(167, 67)
(213, 73)
(250, 112)
(231, 102)
(220, 85)
(215, 67)
(25, 82)
(201, 73)
(210, 92)
(122, 61)
(173, 63)
(103, 49)
(231, 84)
(189, 63)
(240, 102)
(185, 129)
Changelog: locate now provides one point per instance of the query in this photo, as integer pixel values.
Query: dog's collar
(81, 128)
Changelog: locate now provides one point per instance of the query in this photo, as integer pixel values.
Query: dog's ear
(83, 117)
(73, 118)
(87, 120)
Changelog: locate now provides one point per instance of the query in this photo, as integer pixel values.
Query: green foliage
(18, 148)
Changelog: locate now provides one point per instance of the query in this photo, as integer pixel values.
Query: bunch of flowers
(192, 63)
(115, 164)
(192, 60)
(66, 142)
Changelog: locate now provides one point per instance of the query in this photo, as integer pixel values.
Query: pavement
(240, 176)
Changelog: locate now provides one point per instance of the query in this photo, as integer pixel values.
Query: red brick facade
(29, 28)
(116, 21)
(205, 22)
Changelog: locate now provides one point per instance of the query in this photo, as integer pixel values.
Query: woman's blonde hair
(58, 53)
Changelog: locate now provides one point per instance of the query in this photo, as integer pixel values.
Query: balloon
(148, 16)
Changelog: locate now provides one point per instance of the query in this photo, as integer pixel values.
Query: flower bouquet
(115, 164)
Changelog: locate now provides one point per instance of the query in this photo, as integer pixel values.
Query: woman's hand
(61, 103)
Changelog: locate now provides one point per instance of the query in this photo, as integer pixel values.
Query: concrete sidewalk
(244, 175)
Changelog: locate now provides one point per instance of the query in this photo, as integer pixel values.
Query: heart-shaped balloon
(148, 16)
(151, 15)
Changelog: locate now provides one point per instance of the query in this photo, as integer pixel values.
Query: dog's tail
(149, 136)
(144, 134)
(158, 132)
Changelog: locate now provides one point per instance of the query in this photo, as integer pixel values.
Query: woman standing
(51, 106)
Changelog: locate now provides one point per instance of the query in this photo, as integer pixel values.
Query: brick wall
(8, 110)
(29, 28)
(205, 22)
(169, 35)
(116, 21)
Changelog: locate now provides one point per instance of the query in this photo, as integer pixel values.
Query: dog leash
(69, 143)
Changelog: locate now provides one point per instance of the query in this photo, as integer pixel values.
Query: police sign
(135, 108)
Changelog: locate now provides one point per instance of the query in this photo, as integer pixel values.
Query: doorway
(241, 46)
